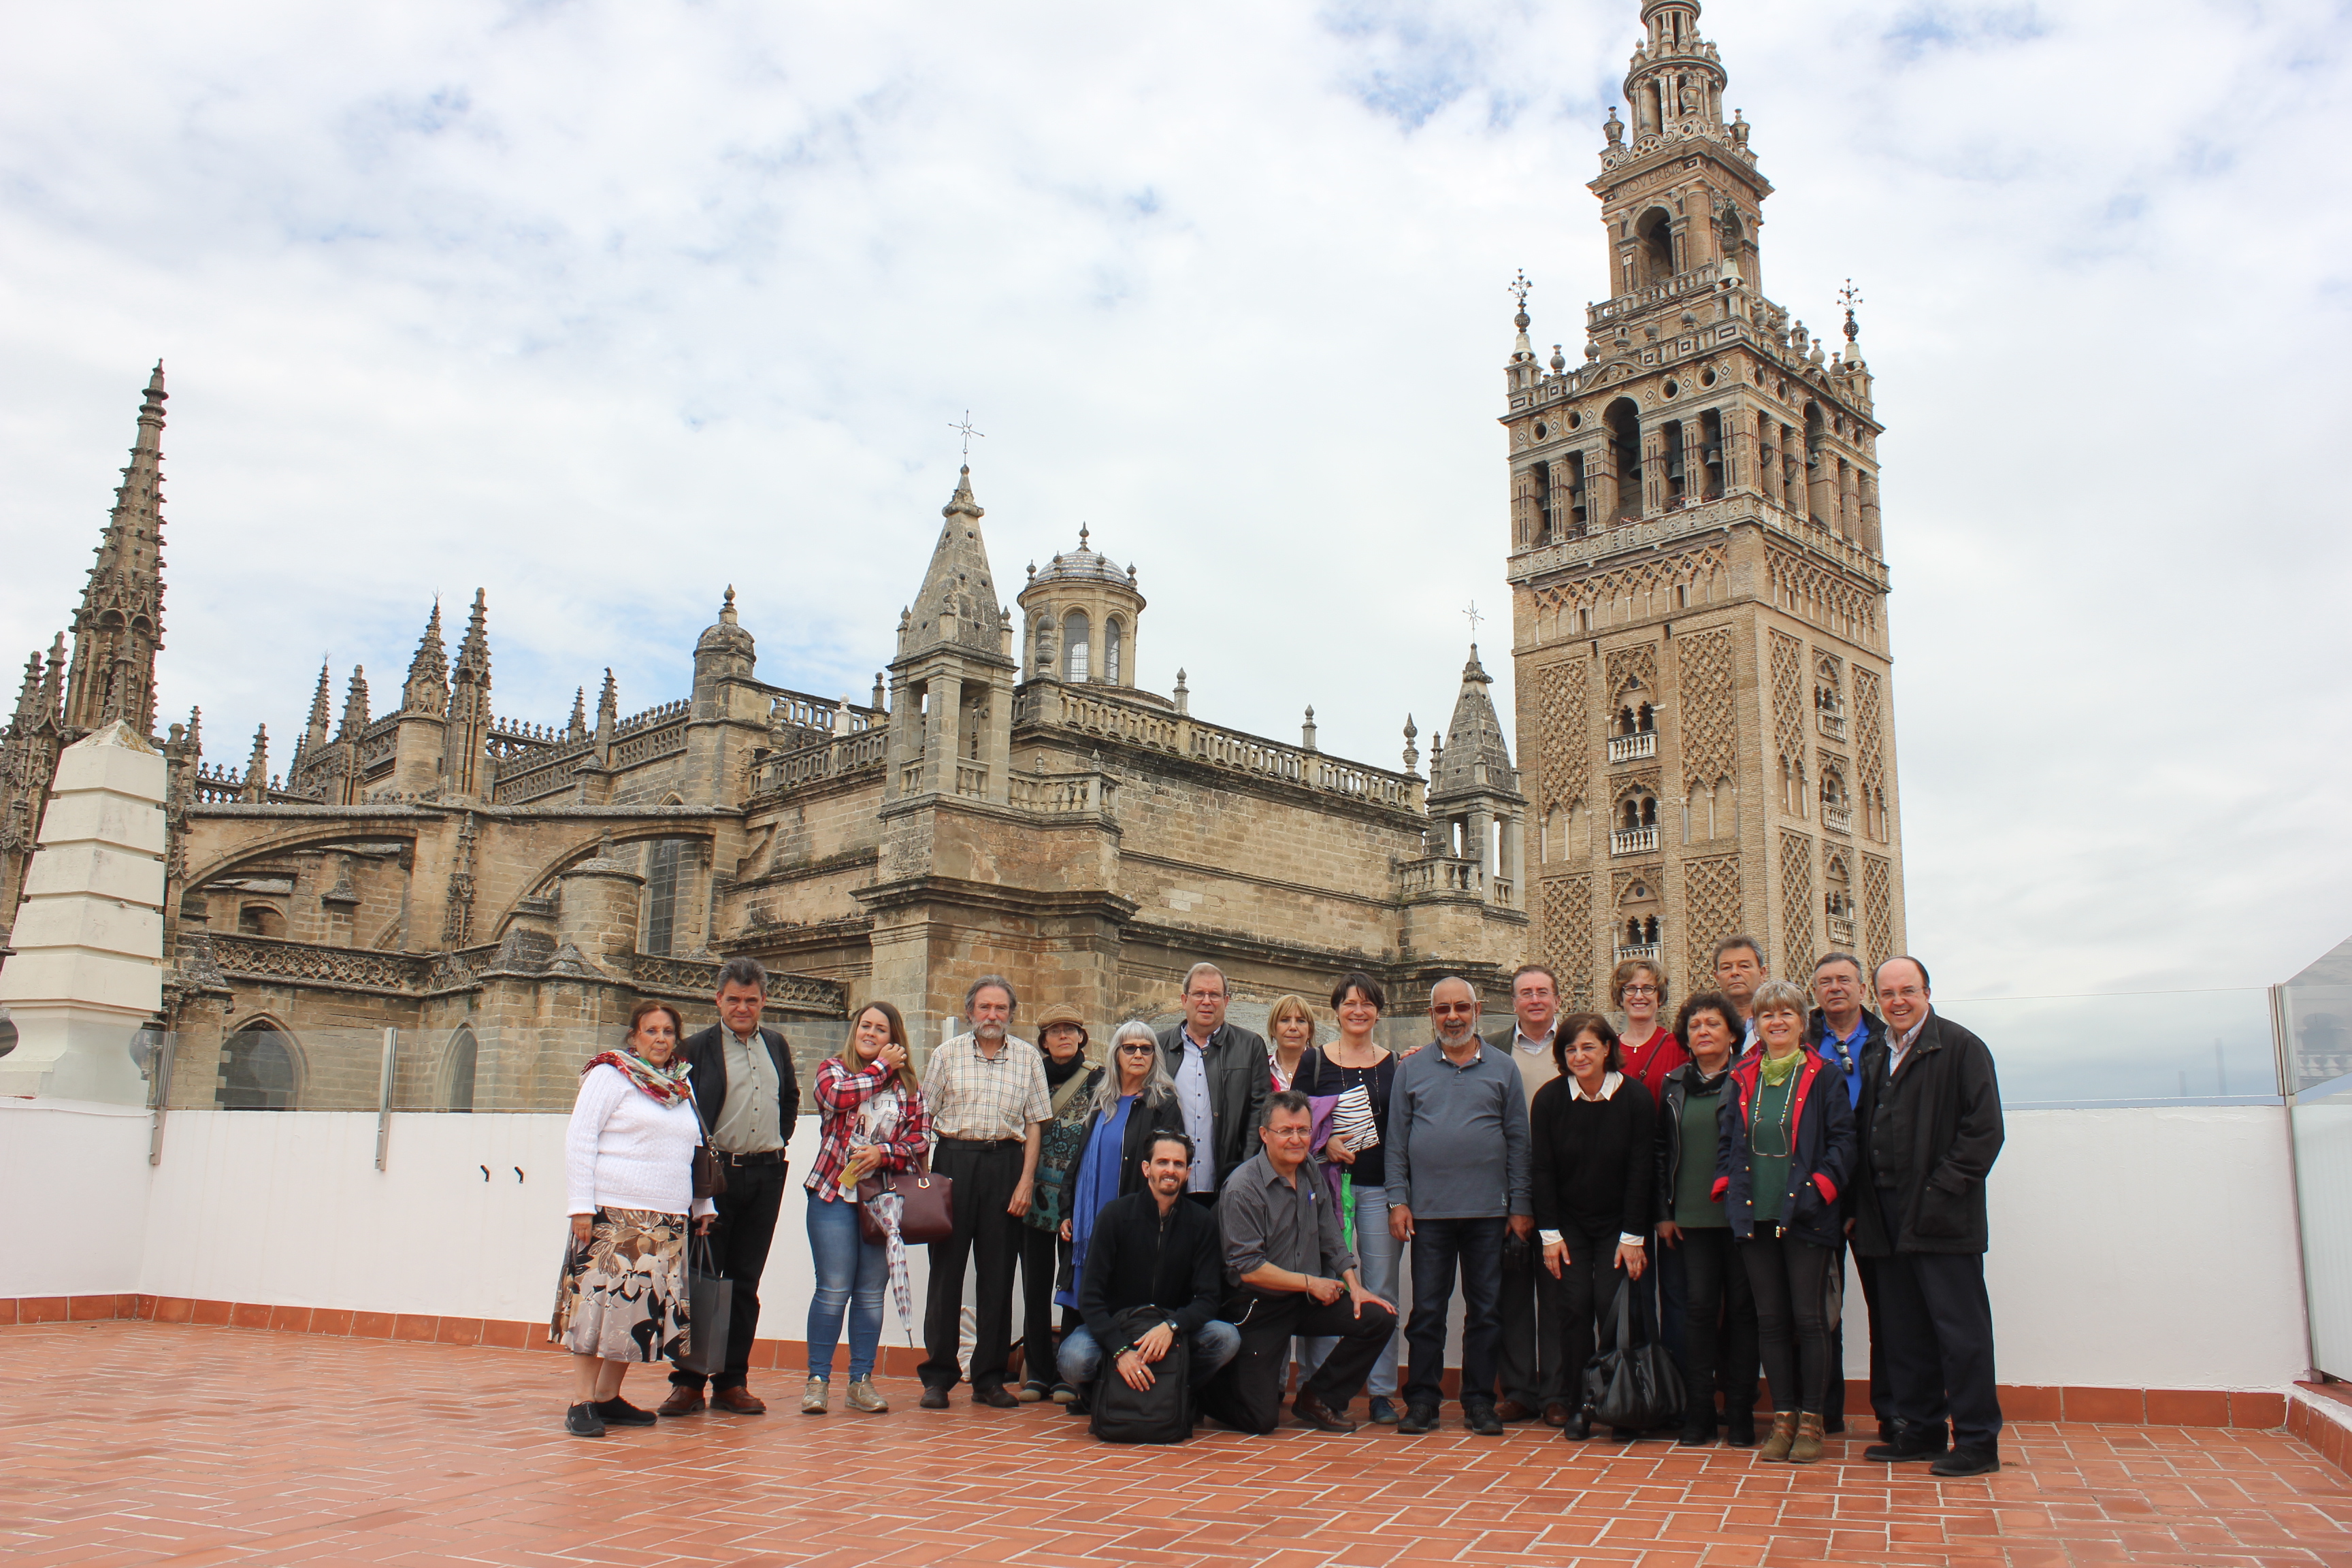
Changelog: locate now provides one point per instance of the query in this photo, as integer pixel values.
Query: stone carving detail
(1638, 885)
(1709, 726)
(1646, 587)
(1877, 909)
(1797, 901)
(1710, 907)
(1561, 730)
(1567, 920)
(457, 919)
(1788, 699)
(1637, 663)
(1824, 597)
(1870, 749)
(345, 968)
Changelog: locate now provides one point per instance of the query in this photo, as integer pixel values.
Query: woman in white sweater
(628, 1172)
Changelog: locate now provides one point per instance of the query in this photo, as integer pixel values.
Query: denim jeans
(851, 1273)
(1376, 1263)
(1439, 1245)
(1213, 1344)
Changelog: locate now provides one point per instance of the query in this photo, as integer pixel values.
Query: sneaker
(1384, 1411)
(1063, 1393)
(1418, 1419)
(814, 1397)
(866, 1399)
(618, 1412)
(582, 1421)
(1033, 1393)
(1479, 1416)
(1965, 1461)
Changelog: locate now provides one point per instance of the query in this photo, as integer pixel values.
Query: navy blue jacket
(1820, 1153)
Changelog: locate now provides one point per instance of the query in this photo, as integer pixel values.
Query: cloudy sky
(602, 307)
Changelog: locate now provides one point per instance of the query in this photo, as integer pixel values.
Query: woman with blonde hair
(1289, 1035)
(870, 1119)
(628, 1178)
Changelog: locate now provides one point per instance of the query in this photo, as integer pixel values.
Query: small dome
(1085, 564)
(725, 636)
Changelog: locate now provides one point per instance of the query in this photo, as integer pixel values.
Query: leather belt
(984, 1143)
(765, 1157)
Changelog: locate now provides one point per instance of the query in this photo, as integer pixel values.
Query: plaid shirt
(972, 1097)
(840, 1096)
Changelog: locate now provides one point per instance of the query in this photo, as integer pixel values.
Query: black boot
(1740, 1429)
(1914, 1441)
(1699, 1428)
(1579, 1428)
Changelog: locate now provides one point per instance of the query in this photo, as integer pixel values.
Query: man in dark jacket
(1844, 1031)
(1223, 1077)
(1151, 1248)
(1929, 1119)
(749, 1102)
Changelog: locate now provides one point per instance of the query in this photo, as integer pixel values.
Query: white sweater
(623, 1151)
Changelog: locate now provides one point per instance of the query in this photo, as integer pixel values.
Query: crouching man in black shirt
(1151, 1248)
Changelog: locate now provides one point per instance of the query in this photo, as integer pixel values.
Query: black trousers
(1882, 1392)
(1719, 1323)
(1587, 1292)
(738, 1245)
(1041, 1264)
(1527, 1362)
(988, 1237)
(1248, 1393)
(1937, 1323)
(1788, 1278)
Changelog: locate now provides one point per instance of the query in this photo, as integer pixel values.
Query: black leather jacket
(1673, 1097)
(1241, 1076)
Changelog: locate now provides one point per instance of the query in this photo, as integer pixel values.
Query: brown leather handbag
(927, 1211)
(709, 1176)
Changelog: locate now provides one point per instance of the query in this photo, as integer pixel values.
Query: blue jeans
(1376, 1265)
(1438, 1246)
(851, 1273)
(1213, 1344)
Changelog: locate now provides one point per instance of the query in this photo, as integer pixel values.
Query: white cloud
(603, 307)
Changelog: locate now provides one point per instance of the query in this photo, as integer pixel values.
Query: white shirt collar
(1609, 1082)
(1523, 1041)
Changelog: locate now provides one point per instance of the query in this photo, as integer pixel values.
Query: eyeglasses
(1640, 990)
(1450, 1008)
(1136, 1051)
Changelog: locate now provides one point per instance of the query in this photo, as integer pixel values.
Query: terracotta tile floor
(138, 1443)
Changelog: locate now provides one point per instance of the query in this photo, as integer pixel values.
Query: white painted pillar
(88, 972)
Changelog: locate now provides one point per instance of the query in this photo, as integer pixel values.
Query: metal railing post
(384, 1098)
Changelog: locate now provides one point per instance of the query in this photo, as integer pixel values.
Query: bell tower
(1698, 583)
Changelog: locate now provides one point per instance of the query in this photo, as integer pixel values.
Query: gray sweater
(1457, 1137)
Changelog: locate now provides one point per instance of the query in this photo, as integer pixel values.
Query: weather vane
(968, 433)
(1474, 617)
(1520, 287)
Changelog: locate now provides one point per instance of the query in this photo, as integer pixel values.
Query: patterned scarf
(663, 1086)
(1777, 1070)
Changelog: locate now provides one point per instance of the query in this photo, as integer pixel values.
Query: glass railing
(2314, 1012)
(2130, 1048)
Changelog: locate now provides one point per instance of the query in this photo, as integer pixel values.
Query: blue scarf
(1097, 1184)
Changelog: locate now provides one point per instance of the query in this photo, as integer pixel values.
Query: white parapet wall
(2146, 1247)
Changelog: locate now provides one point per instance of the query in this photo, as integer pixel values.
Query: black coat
(708, 1080)
(1820, 1151)
(1241, 1074)
(1938, 1124)
(1145, 1118)
(1141, 1258)
(1591, 1161)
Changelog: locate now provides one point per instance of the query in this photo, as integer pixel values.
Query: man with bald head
(1457, 1181)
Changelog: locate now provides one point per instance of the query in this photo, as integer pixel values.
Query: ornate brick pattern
(1806, 588)
(1567, 923)
(1647, 587)
(1709, 728)
(1869, 747)
(1566, 745)
(1788, 698)
(1797, 901)
(1711, 907)
(1637, 663)
(1877, 909)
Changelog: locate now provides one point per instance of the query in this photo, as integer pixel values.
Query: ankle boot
(1740, 1429)
(1784, 1436)
(1808, 1446)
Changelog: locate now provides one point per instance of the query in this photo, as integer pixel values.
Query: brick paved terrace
(130, 1442)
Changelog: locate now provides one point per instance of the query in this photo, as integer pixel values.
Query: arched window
(260, 920)
(1653, 237)
(457, 1074)
(257, 1071)
(1624, 423)
(1710, 435)
(1677, 478)
(1114, 650)
(1541, 475)
(1077, 637)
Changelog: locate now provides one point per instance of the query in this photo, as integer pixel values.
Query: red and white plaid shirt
(841, 1098)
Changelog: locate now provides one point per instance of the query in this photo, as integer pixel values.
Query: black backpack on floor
(1160, 1414)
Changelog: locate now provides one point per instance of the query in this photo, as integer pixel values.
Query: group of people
(1254, 1201)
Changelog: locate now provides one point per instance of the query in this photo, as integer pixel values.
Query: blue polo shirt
(1846, 1051)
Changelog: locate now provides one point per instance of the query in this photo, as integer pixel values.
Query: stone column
(88, 973)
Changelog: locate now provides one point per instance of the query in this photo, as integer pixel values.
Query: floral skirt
(622, 1296)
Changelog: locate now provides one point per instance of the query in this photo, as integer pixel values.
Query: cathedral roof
(956, 605)
(1475, 737)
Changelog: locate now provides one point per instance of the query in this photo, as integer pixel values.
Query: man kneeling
(1292, 1274)
(1151, 1248)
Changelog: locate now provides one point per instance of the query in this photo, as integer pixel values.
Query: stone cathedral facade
(1698, 586)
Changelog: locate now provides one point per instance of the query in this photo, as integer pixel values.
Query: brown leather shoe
(683, 1401)
(1554, 1415)
(1317, 1413)
(742, 1401)
(1512, 1410)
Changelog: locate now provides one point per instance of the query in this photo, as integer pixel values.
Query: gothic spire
(257, 767)
(119, 628)
(578, 729)
(1475, 755)
(474, 653)
(427, 691)
(355, 706)
(314, 733)
(957, 604)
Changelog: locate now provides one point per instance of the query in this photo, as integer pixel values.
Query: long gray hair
(1158, 1085)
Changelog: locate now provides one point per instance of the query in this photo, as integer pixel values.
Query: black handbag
(709, 1301)
(1160, 1414)
(1633, 1387)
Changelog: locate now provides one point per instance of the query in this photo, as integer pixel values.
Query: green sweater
(1694, 1205)
(1769, 1130)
